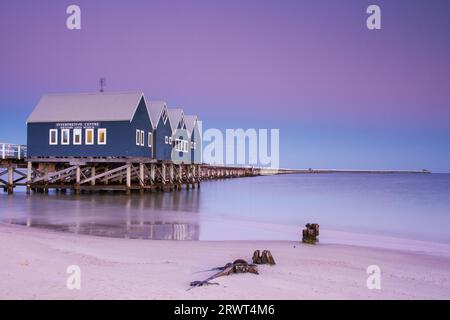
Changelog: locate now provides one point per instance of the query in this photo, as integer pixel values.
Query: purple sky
(343, 96)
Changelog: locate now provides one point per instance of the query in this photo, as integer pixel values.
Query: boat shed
(193, 129)
(180, 136)
(162, 130)
(102, 124)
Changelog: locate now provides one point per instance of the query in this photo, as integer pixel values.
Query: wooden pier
(81, 175)
(110, 174)
(11, 160)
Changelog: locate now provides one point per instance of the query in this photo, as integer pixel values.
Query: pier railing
(12, 151)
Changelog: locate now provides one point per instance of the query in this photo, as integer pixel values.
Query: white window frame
(170, 140)
(138, 137)
(99, 131)
(77, 132)
(185, 145)
(195, 146)
(86, 135)
(166, 140)
(149, 139)
(50, 137)
(68, 136)
(142, 138)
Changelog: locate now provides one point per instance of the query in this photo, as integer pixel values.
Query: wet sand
(33, 266)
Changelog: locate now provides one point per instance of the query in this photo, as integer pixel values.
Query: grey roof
(99, 106)
(155, 109)
(175, 116)
(190, 120)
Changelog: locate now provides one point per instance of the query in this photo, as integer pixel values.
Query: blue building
(180, 136)
(193, 129)
(162, 131)
(90, 125)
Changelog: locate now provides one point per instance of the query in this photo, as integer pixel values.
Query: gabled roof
(175, 116)
(99, 106)
(190, 121)
(155, 109)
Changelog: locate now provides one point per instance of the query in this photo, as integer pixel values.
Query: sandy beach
(33, 265)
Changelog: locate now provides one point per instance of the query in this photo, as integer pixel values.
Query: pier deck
(110, 174)
(123, 174)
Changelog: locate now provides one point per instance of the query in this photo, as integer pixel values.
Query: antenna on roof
(102, 84)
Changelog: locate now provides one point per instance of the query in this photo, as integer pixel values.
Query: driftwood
(311, 233)
(264, 258)
(238, 266)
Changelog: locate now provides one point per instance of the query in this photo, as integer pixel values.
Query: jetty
(90, 174)
(105, 174)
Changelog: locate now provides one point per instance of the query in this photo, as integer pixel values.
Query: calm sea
(413, 206)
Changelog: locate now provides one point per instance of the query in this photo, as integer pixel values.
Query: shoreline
(34, 263)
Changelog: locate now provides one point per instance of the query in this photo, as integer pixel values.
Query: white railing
(13, 151)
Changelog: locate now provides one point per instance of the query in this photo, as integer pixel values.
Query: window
(166, 139)
(142, 138)
(149, 139)
(138, 138)
(181, 145)
(76, 136)
(89, 133)
(65, 136)
(53, 138)
(101, 136)
(195, 146)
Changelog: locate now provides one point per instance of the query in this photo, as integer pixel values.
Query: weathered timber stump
(264, 258)
(310, 234)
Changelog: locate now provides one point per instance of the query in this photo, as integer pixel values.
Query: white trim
(142, 138)
(99, 131)
(170, 140)
(78, 132)
(50, 137)
(138, 137)
(164, 111)
(68, 136)
(149, 137)
(166, 139)
(86, 136)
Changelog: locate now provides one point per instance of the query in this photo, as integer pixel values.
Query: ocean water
(414, 206)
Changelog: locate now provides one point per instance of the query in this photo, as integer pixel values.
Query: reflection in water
(260, 208)
(163, 216)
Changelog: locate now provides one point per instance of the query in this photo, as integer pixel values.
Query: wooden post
(193, 177)
(93, 175)
(187, 177)
(78, 180)
(179, 177)
(29, 171)
(141, 176)
(163, 173)
(152, 172)
(129, 179)
(10, 180)
(171, 175)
